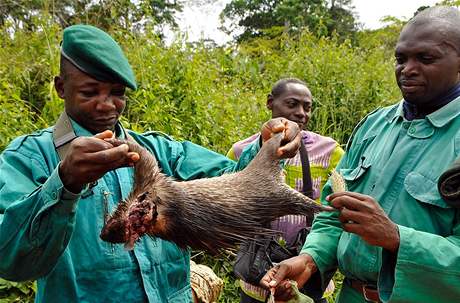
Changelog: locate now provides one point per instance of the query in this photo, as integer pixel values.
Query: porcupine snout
(130, 220)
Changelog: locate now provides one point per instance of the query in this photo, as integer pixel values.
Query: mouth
(300, 124)
(408, 86)
(106, 120)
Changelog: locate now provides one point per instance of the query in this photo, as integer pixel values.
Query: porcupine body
(211, 213)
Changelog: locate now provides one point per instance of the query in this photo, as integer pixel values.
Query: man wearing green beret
(58, 185)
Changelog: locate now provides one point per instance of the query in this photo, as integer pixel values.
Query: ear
(59, 86)
(270, 102)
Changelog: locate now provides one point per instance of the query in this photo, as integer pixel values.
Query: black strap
(307, 189)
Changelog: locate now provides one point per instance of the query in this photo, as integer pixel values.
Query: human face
(427, 64)
(293, 104)
(93, 104)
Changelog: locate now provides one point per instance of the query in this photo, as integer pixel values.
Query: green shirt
(53, 236)
(398, 163)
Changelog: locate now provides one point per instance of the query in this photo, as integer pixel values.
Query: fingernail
(328, 198)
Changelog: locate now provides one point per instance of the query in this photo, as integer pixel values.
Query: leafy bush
(17, 292)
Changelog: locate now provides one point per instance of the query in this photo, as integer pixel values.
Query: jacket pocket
(424, 190)
(352, 175)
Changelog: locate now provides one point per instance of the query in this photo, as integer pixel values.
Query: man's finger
(272, 127)
(267, 278)
(349, 202)
(280, 273)
(290, 149)
(110, 155)
(292, 131)
(348, 194)
(348, 215)
(133, 156)
(104, 135)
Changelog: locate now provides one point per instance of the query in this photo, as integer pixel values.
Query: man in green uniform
(393, 237)
(58, 185)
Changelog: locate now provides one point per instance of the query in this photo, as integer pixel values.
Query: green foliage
(17, 292)
(345, 81)
(105, 14)
(258, 18)
(212, 96)
(455, 3)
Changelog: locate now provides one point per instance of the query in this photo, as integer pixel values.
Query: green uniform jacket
(398, 163)
(49, 235)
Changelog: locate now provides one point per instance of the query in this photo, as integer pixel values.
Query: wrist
(67, 182)
(309, 263)
(393, 244)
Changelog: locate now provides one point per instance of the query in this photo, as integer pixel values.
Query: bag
(252, 261)
(256, 257)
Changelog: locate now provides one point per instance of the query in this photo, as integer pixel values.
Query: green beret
(95, 53)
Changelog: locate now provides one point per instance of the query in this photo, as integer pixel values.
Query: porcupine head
(138, 214)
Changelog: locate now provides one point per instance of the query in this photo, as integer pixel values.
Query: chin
(411, 98)
(97, 130)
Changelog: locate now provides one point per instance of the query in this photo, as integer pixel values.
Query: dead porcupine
(210, 213)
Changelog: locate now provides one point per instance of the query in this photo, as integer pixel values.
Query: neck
(417, 111)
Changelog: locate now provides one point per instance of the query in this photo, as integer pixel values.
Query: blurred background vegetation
(209, 94)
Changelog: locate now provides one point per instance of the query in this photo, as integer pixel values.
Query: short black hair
(445, 19)
(280, 86)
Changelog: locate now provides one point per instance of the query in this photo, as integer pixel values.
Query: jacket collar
(438, 118)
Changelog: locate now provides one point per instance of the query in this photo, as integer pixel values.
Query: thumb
(279, 275)
(271, 127)
(107, 134)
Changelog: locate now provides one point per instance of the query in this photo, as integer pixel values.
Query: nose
(105, 103)
(409, 68)
(300, 113)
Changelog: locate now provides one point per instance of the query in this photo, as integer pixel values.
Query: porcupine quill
(211, 213)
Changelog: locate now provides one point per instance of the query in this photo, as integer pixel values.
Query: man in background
(290, 98)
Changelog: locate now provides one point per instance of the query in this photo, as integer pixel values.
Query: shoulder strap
(307, 189)
(63, 134)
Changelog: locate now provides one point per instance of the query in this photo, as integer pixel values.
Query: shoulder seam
(157, 133)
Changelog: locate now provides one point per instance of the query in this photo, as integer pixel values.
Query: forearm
(35, 229)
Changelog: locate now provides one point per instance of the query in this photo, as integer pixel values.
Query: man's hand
(89, 158)
(291, 141)
(362, 215)
(299, 268)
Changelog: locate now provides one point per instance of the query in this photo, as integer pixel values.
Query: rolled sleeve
(423, 260)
